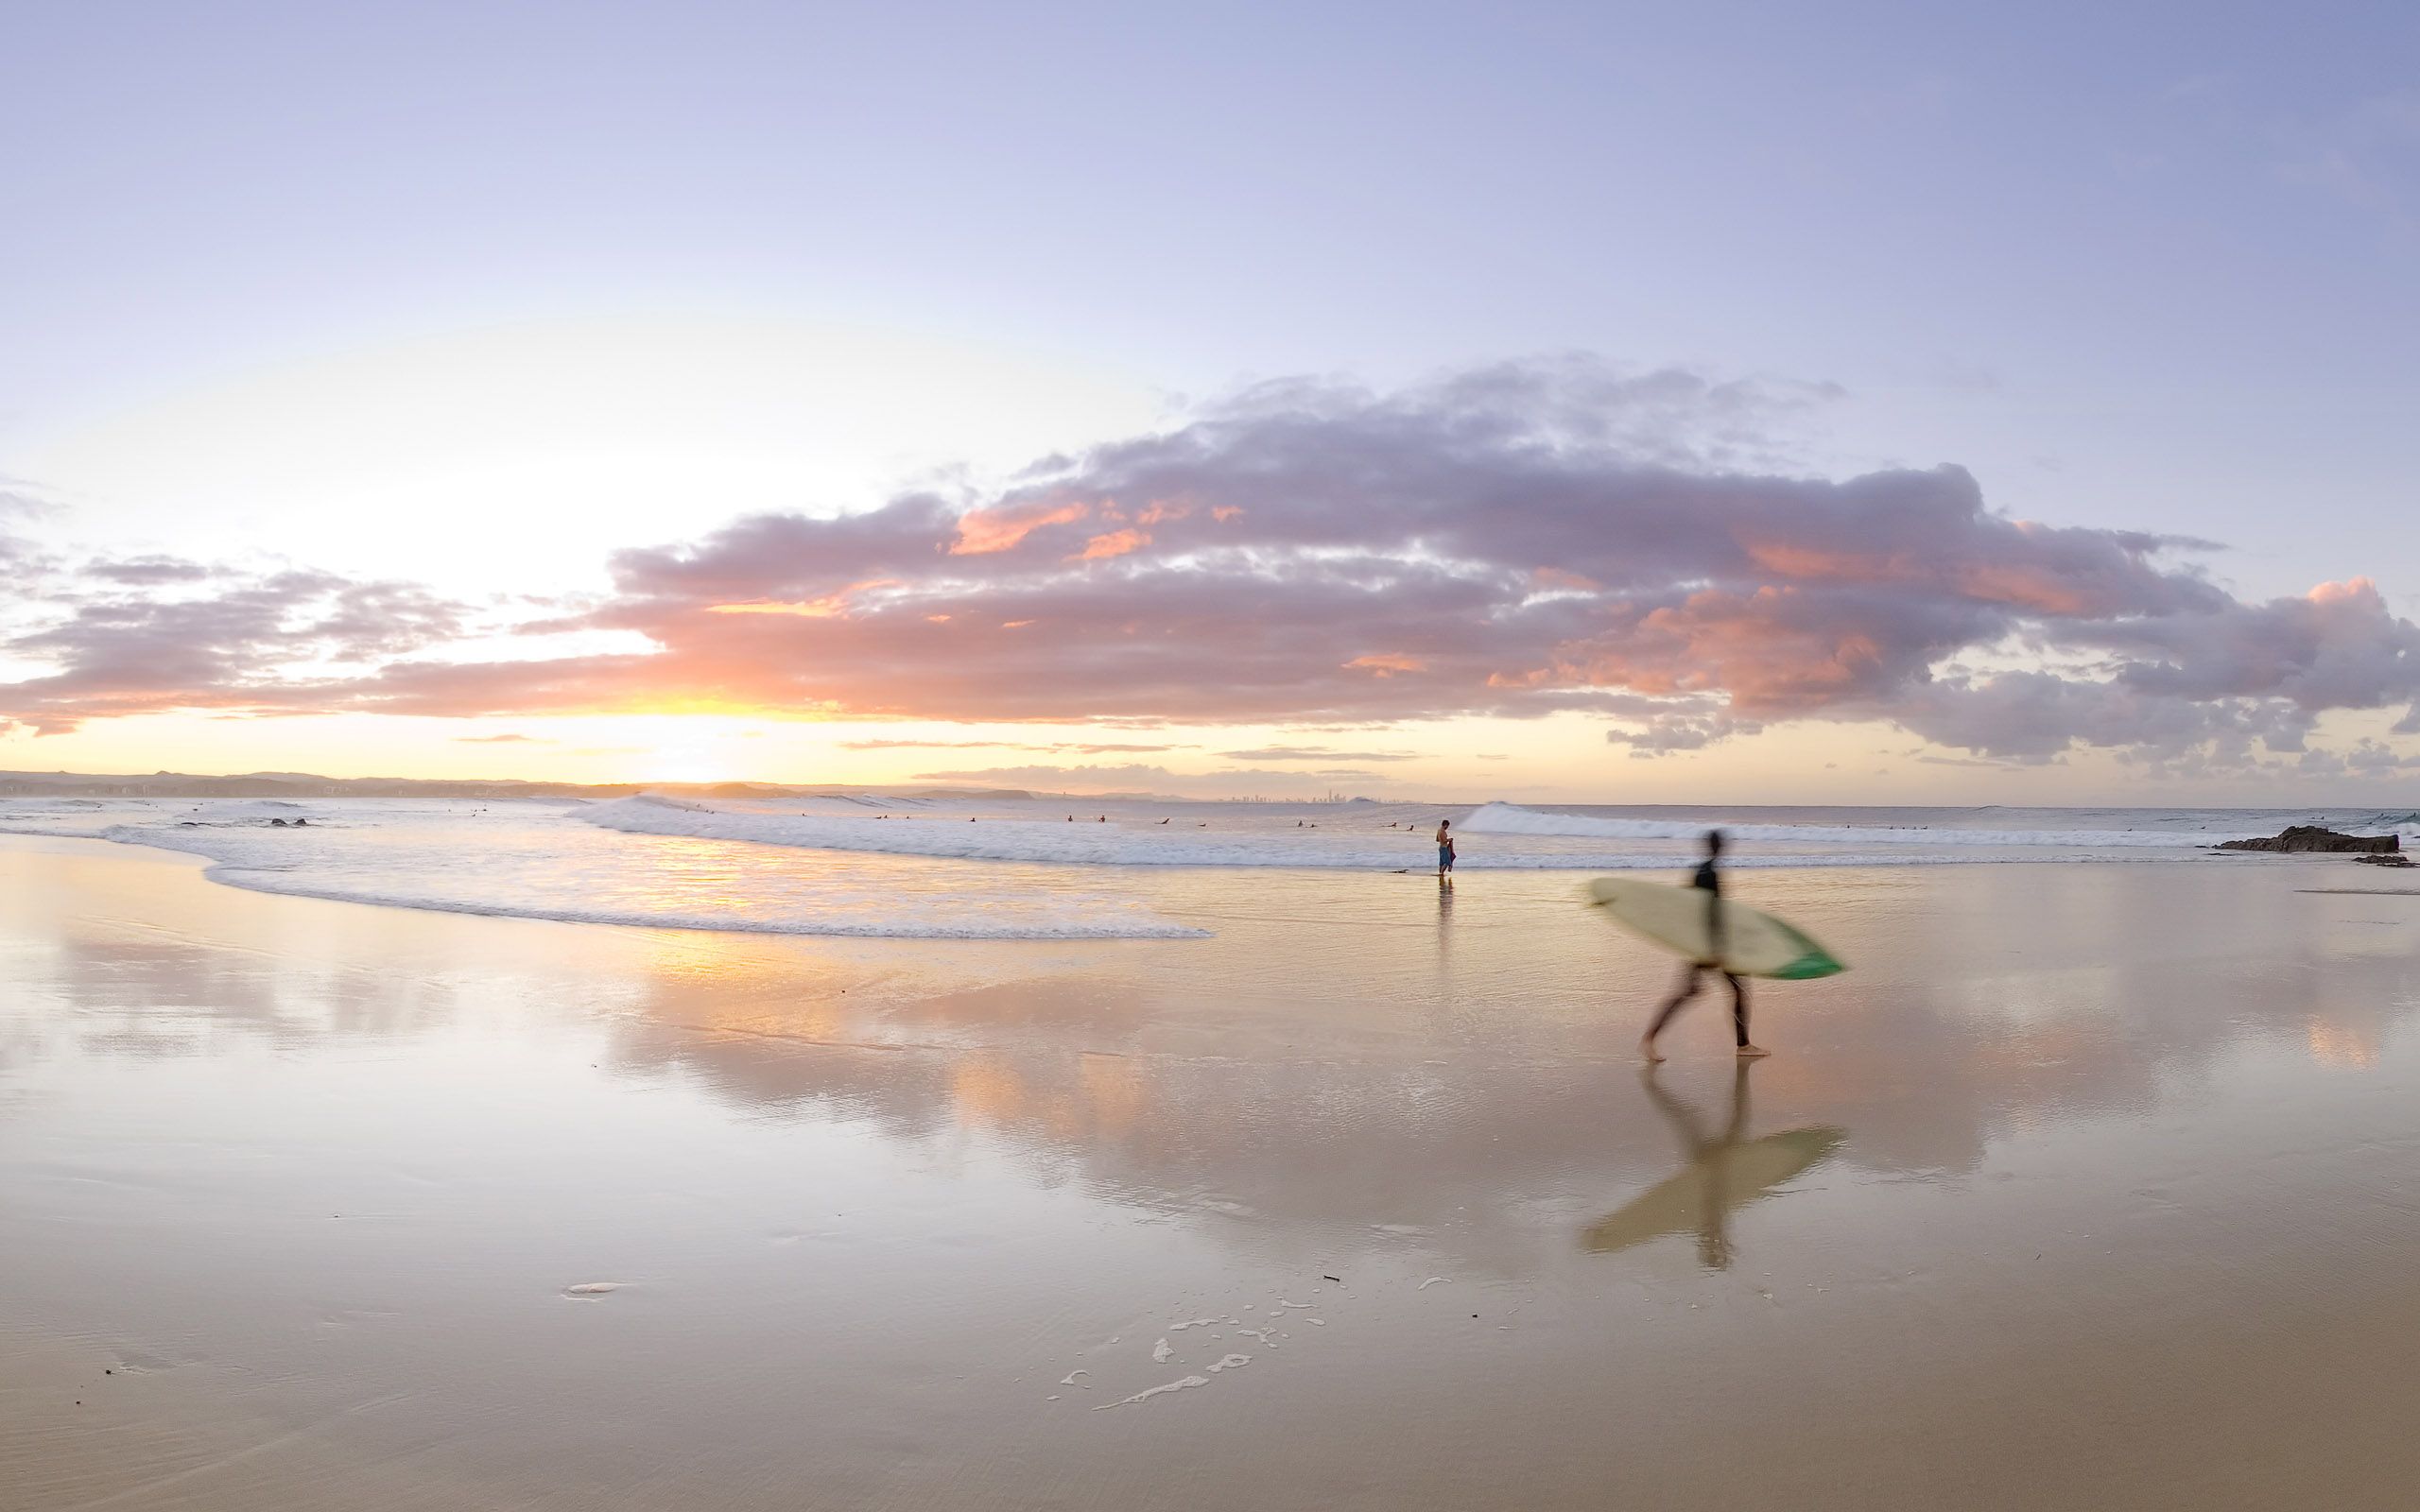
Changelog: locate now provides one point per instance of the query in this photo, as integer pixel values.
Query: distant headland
(305, 784)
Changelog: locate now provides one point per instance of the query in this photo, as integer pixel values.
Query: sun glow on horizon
(1561, 759)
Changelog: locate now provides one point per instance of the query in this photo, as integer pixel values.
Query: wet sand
(2089, 1186)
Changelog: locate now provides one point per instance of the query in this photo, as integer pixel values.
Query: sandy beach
(2086, 1186)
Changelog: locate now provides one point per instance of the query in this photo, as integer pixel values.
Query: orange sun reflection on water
(2342, 1046)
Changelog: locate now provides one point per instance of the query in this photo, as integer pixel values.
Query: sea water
(1009, 868)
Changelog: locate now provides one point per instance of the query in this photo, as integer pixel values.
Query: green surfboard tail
(1813, 960)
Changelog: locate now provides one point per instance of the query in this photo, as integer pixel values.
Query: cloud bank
(1509, 541)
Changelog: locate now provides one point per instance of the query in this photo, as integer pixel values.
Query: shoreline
(1162, 891)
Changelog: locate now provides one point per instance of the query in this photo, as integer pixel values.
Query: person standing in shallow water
(1444, 848)
(1693, 973)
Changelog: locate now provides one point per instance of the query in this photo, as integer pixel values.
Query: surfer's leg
(1690, 975)
(1739, 1017)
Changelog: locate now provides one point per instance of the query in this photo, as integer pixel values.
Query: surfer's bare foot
(1752, 1052)
(1647, 1052)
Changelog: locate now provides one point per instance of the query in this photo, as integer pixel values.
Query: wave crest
(1511, 818)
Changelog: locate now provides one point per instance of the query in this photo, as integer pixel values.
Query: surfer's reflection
(1724, 1171)
(1445, 928)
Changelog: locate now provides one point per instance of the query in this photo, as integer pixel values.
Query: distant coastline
(305, 784)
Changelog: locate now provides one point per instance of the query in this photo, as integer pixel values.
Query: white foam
(1509, 818)
(533, 861)
(877, 867)
(1354, 839)
(1185, 1385)
(1055, 842)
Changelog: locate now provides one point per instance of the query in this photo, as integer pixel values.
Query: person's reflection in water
(1724, 1172)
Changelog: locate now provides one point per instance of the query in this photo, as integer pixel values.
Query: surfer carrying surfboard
(1709, 880)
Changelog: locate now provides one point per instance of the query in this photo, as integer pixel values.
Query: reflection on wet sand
(1724, 1172)
(1442, 1089)
(312, 1179)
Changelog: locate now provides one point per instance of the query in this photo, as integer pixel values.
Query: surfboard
(1723, 1178)
(1754, 943)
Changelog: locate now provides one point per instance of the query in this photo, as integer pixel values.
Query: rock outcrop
(2301, 838)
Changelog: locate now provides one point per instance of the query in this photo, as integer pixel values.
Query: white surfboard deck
(1754, 943)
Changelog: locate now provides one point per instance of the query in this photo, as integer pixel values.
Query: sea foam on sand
(536, 859)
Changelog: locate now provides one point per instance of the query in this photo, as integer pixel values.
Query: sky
(1715, 403)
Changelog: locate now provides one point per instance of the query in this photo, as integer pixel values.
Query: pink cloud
(981, 532)
(830, 605)
(1115, 543)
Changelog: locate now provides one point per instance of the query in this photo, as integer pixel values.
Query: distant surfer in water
(1693, 973)
(1444, 848)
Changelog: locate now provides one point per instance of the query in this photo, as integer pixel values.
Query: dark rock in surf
(2385, 860)
(2299, 840)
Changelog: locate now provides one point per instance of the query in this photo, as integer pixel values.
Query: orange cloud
(831, 606)
(1116, 543)
(2020, 585)
(1387, 664)
(2344, 592)
(1792, 560)
(1160, 513)
(1224, 512)
(983, 531)
(1558, 577)
(2024, 587)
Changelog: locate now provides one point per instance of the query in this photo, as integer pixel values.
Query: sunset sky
(1657, 404)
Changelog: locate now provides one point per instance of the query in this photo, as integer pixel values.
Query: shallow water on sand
(2086, 1185)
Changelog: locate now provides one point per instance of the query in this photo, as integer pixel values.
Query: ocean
(1040, 868)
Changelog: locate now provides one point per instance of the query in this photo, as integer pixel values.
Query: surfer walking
(1709, 880)
(1444, 848)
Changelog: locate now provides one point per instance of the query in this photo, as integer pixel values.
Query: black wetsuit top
(1711, 880)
